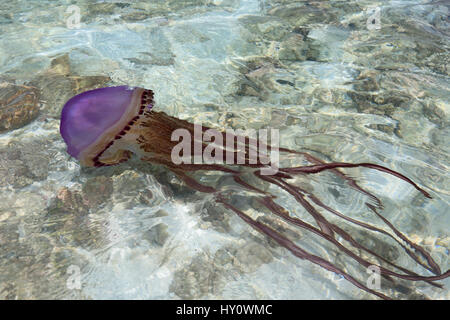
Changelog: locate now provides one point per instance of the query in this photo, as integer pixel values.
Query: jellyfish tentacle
(282, 212)
(179, 170)
(434, 266)
(316, 215)
(346, 236)
(193, 183)
(191, 167)
(296, 250)
(279, 238)
(350, 180)
(325, 225)
(321, 221)
(294, 191)
(372, 228)
(330, 237)
(333, 165)
(239, 180)
(431, 263)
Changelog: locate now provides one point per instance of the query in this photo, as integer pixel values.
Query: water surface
(335, 85)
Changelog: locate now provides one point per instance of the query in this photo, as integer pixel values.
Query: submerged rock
(199, 278)
(252, 256)
(294, 48)
(157, 234)
(97, 191)
(58, 84)
(23, 163)
(68, 201)
(19, 105)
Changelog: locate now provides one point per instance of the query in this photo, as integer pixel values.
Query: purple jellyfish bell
(93, 120)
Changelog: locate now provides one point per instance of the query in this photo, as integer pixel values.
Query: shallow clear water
(335, 85)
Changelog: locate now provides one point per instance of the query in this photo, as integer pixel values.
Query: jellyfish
(107, 126)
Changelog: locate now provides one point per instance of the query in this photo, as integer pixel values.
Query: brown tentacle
(373, 228)
(276, 209)
(350, 181)
(281, 212)
(435, 267)
(191, 182)
(284, 214)
(333, 165)
(321, 221)
(347, 237)
(300, 198)
(249, 186)
(293, 190)
(296, 250)
(191, 167)
(327, 228)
